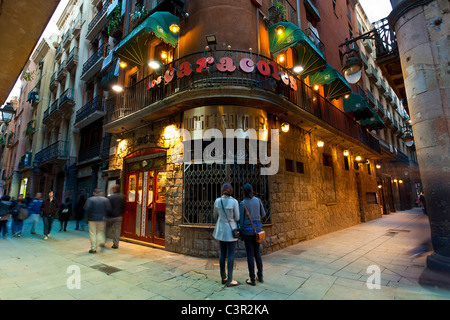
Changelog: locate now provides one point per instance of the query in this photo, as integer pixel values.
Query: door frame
(134, 157)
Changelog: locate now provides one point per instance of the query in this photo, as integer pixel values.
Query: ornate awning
(334, 84)
(309, 56)
(362, 112)
(132, 47)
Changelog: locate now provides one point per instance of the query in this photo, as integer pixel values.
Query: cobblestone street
(334, 266)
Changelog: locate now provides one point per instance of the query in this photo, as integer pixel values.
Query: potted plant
(115, 22)
(277, 12)
(138, 15)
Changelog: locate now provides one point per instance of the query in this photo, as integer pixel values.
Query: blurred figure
(79, 213)
(5, 214)
(34, 210)
(49, 209)
(422, 202)
(114, 218)
(65, 212)
(97, 207)
(19, 213)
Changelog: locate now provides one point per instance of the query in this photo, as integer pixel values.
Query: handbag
(236, 232)
(261, 235)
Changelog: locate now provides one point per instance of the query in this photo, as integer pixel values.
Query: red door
(145, 195)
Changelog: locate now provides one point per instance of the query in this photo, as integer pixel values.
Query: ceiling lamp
(285, 127)
(298, 69)
(320, 144)
(346, 153)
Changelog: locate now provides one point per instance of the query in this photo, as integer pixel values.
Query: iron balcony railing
(315, 39)
(136, 97)
(385, 39)
(53, 151)
(98, 16)
(101, 52)
(66, 97)
(52, 108)
(89, 108)
(25, 161)
(90, 152)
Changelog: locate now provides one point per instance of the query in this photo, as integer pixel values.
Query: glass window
(132, 188)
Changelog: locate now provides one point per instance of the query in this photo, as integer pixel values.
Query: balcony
(371, 98)
(62, 72)
(315, 39)
(381, 85)
(97, 23)
(91, 111)
(50, 110)
(387, 118)
(365, 61)
(66, 101)
(380, 109)
(372, 74)
(53, 81)
(67, 39)
(58, 52)
(76, 25)
(394, 125)
(30, 129)
(55, 151)
(140, 102)
(25, 161)
(90, 153)
(72, 59)
(94, 64)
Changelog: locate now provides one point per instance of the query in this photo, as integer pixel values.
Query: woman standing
(226, 208)
(65, 212)
(49, 209)
(79, 213)
(251, 206)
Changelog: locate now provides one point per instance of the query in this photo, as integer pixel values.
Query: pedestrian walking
(79, 213)
(34, 210)
(49, 209)
(226, 212)
(65, 212)
(114, 218)
(423, 203)
(5, 215)
(251, 211)
(19, 213)
(97, 207)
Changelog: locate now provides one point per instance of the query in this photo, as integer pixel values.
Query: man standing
(97, 207)
(34, 209)
(49, 209)
(114, 218)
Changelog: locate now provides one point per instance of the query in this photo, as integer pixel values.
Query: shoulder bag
(261, 235)
(236, 232)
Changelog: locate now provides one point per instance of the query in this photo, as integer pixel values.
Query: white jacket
(222, 231)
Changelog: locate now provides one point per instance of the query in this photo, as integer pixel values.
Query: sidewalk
(333, 266)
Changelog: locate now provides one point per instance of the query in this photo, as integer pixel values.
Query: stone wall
(300, 203)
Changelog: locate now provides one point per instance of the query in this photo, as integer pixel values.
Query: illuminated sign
(226, 64)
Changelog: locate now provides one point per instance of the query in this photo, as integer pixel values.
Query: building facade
(126, 78)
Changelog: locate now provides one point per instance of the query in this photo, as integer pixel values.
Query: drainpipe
(298, 15)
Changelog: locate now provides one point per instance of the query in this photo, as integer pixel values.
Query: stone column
(422, 29)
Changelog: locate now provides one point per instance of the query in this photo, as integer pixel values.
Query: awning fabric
(334, 84)
(133, 46)
(309, 56)
(362, 112)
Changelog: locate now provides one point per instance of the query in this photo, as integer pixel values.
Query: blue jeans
(227, 249)
(16, 227)
(253, 254)
(33, 219)
(48, 221)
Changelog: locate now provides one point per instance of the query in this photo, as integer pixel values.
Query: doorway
(145, 199)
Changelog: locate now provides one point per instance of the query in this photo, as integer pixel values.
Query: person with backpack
(5, 214)
(65, 212)
(19, 214)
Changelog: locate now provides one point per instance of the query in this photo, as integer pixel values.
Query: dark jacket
(256, 211)
(34, 207)
(97, 207)
(65, 211)
(49, 209)
(79, 209)
(117, 204)
(19, 212)
(5, 207)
